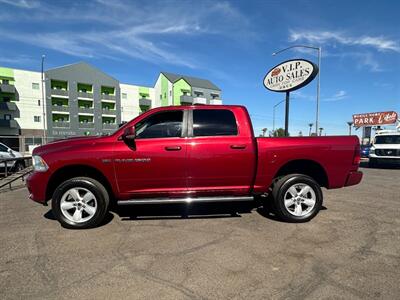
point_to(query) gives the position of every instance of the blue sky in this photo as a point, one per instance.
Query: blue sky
(228, 42)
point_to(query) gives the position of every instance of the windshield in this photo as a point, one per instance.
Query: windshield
(387, 139)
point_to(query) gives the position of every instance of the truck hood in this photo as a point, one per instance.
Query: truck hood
(386, 146)
(68, 143)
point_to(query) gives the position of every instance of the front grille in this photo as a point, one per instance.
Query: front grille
(387, 152)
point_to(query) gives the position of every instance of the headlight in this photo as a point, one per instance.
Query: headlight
(39, 164)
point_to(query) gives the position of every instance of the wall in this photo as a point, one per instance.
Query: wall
(130, 105)
(28, 99)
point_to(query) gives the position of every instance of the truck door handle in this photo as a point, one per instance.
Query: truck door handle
(238, 146)
(173, 148)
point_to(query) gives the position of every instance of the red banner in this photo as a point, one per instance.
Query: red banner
(374, 119)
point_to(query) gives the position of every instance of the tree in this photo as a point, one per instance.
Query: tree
(279, 132)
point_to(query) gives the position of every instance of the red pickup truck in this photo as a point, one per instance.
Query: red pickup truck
(185, 154)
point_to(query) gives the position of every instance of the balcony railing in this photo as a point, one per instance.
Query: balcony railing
(85, 95)
(86, 110)
(108, 97)
(86, 125)
(9, 124)
(199, 100)
(61, 124)
(144, 102)
(186, 99)
(109, 111)
(59, 92)
(8, 106)
(216, 101)
(109, 126)
(7, 88)
(60, 108)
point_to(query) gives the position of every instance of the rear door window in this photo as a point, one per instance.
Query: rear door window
(214, 122)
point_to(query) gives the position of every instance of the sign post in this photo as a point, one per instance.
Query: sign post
(289, 76)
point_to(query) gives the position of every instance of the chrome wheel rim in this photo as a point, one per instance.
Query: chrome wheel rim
(300, 199)
(78, 205)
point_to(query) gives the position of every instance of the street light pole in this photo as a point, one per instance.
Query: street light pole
(43, 102)
(350, 123)
(319, 76)
(273, 115)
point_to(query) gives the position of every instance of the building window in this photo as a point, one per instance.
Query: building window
(35, 86)
(6, 99)
(6, 81)
(124, 95)
(38, 102)
(36, 118)
(7, 117)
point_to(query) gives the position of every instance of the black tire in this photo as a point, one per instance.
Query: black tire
(92, 185)
(19, 166)
(279, 190)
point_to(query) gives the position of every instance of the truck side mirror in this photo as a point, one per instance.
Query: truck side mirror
(129, 134)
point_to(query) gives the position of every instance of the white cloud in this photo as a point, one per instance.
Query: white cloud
(125, 29)
(379, 43)
(339, 95)
(28, 4)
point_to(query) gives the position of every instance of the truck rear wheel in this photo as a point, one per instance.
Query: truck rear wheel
(297, 198)
(80, 202)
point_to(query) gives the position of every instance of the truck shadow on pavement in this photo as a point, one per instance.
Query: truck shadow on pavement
(183, 211)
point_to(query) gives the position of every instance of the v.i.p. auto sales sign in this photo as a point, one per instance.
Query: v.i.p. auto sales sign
(290, 75)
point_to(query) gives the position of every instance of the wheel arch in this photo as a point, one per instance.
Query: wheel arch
(306, 167)
(79, 170)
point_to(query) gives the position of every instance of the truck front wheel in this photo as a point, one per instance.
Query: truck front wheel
(297, 198)
(80, 202)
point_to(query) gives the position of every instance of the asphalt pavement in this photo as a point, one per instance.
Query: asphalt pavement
(351, 250)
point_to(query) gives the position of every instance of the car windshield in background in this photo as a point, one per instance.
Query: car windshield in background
(387, 139)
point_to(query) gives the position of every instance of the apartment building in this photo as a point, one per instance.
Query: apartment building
(174, 89)
(83, 100)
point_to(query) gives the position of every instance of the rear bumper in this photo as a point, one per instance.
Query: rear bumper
(36, 184)
(354, 178)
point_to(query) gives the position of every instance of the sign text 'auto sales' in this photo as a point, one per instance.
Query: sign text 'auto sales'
(290, 75)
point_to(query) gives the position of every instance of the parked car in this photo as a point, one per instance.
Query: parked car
(187, 154)
(365, 150)
(385, 148)
(6, 153)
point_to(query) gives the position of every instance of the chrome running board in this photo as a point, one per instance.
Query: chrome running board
(183, 200)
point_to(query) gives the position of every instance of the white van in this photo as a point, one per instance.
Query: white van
(385, 148)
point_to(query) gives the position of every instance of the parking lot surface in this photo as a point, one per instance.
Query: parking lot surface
(351, 250)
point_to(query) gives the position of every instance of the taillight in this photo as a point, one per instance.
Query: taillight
(357, 155)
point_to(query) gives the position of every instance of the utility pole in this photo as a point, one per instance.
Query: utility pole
(310, 125)
(350, 123)
(43, 102)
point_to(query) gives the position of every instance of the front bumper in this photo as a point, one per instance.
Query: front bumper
(36, 184)
(354, 178)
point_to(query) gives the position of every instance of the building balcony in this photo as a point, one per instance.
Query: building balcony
(56, 108)
(9, 124)
(59, 92)
(8, 106)
(108, 97)
(86, 110)
(144, 102)
(109, 112)
(85, 95)
(110, 126)
(86, 125)
(187, 99)
(7, 88)
(60, 124)
(199, 100)
(216, 101)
